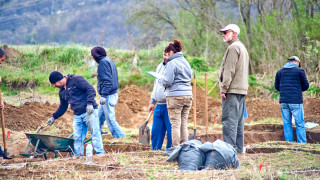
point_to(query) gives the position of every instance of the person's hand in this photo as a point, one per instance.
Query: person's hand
(151, 107)
(50, 121)
(90, 109)
(223, 95)
(103, 101)
(2, 106)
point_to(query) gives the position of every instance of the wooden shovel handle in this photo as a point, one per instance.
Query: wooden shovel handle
(2, 125)
(194, 100)
(206, 103)
(146, 122)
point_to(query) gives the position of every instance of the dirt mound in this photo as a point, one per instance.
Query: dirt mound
(11, 53)
(30, 115)
(259, 109)
(214, 108)
(134, 97)
(132, 106)
(132, 100)
(311, 110)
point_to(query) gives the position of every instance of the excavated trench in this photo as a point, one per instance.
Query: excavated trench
(265, 132)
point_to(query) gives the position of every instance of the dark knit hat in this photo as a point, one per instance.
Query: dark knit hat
(98, 53)
(55, 76)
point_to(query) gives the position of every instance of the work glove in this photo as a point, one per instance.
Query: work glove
(103, 100)
(50, 121)
(90, 109)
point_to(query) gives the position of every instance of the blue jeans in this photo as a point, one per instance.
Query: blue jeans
(161, 125)
(80, 128)
(295, 110)
(109, 107)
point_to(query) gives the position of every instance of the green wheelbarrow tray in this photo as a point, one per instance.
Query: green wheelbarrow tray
(52, 143)
(44, 143)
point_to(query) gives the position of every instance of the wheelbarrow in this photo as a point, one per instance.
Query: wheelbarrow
(44, 144)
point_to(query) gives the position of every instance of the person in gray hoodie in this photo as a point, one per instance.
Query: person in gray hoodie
(161, 123)
(176, 80)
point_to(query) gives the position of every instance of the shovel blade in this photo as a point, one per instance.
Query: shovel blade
(194, 135)
(5, 156)
(144, 135)
(191, 138)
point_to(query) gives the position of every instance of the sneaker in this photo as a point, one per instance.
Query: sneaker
(104, 132)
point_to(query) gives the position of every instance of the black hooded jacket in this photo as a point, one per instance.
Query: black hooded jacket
(107, 73)
(78, 93)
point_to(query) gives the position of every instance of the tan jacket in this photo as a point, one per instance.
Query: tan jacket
(234, 69)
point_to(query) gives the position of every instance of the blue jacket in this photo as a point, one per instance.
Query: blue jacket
(177, 76)
(291, 81)
(78, 93)
(107, 77)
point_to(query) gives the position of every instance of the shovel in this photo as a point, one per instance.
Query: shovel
(42, 126)
(5, 156)
(144, 131)
(194, 107)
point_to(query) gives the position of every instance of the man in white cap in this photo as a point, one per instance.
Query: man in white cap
(234, 84)
(291, 81)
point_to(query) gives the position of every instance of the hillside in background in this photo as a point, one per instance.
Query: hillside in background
(59, 21)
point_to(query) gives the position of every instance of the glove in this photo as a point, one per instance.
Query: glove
(103, 101)
(50, 121)
(90, 109)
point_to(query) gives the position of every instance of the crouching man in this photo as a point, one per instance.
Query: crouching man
(80, 94)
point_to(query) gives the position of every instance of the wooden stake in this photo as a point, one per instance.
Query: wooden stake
(206, 105)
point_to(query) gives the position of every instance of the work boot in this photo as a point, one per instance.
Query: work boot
(104, 132)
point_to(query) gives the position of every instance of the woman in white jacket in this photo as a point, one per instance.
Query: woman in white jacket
(176, 80)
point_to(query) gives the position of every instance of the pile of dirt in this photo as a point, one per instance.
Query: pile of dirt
(11, 53)
(259, 109)
(214, 108)
(132, 100)
(31, 115)
(311, 110)
(132, 109)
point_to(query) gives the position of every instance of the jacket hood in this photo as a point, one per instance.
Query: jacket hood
(98, 53)
(175, 55)
(290, 65)
(69, 76)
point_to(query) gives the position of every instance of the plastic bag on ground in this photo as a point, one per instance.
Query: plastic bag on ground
(220, 155)
(188, 155)
(169, 151)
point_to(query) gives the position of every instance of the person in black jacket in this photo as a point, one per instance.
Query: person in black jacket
(80, 94)
(291, 81)
(107, 76)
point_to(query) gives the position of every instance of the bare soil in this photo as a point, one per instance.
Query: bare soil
(11, 52)
(132, 111)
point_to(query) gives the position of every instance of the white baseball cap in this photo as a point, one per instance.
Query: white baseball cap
(232, 27)
(294, 58)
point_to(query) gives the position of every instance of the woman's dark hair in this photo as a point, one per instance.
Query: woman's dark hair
(2, 52)
(175, 46)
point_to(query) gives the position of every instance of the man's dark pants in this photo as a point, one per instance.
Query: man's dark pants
(233, 120)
